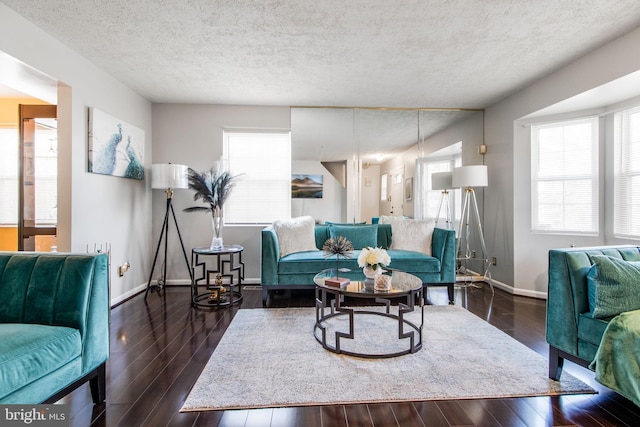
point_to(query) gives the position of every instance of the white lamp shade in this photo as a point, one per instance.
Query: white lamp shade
(169, 176)
(442, 180)
(470, 176)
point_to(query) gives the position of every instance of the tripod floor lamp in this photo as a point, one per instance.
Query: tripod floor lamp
(443, 181)
(167, 177)
(466, 178)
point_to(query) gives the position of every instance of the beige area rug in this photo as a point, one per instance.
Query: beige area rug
(270, 358)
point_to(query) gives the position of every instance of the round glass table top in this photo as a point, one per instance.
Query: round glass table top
(226, 249)
(401, 284)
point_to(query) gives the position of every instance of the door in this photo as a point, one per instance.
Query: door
(38, 179)
(397, 192)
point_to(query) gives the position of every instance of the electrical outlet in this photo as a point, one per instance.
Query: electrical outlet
(473, 254)
(123, 268)
(494, 261)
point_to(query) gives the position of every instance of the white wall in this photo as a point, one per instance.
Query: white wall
(191, 135)
(522, 256)
(91, 208)
(331, 206)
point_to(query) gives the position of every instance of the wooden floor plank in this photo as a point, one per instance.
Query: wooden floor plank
(159, 348)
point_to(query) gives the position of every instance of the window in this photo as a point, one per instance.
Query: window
(626, 169)
(383, 187)
(263, 191)
(564, 177)
(9, 176)
(433, 198)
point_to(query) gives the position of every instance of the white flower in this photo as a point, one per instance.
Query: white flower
(373, 257)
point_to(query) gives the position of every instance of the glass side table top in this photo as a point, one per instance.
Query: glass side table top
(401, 284)
(226, 249)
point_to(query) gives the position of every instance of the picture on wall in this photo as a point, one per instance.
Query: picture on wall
(115, 146)
(305, 186)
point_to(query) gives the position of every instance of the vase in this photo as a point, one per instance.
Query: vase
(370, 274)
(216, 224)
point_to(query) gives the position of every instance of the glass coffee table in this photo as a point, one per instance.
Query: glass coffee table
(336, 322)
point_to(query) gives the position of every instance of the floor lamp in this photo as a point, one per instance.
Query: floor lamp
(468, 177)
(443, 181)
(167, 177)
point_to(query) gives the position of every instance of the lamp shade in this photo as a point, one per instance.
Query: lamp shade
(442, 180)
(470, 176)
(169, 176)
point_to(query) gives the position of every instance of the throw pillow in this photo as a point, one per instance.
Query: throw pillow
(412, 235)
(613, 286)
(296, 235)
(390, 219)
(360, 236)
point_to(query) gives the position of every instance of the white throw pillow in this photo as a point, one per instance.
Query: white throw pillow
(389, 219)
(296, 235)
(412, 235)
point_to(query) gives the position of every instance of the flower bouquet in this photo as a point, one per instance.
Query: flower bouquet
(373, 261)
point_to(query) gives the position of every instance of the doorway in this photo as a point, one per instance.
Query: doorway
(38, 178)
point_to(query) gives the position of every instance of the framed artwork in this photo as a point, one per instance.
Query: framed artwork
(115, 146)
(408, 189)
(304, 186)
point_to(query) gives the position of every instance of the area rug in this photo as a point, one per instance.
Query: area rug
(270, 358)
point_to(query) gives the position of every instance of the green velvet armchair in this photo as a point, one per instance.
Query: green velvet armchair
(54, 325)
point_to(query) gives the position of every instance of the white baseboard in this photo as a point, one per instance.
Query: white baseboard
(474, 277)
(174, 282)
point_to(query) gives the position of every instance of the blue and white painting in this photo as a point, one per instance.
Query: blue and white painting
(115, 146)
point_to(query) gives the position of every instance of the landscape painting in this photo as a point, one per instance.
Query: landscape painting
(115, 146)
(305, 186)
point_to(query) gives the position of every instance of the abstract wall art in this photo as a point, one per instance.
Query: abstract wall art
(305, 186)
(115, 146)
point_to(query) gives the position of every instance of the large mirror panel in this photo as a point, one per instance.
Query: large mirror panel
(366, 157)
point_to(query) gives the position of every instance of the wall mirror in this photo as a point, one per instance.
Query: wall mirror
(352, 149)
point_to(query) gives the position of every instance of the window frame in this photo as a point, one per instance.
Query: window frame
(622, 149)
(244, 179)
(593, 177)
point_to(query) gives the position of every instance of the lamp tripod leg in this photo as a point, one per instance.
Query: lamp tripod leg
(163, 233)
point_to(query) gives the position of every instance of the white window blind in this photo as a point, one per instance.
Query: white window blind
(433, 198)
(564, 177)
(626, 219)
(9, 176)
(263, 191)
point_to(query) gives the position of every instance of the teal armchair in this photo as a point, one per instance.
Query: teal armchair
(54, 325)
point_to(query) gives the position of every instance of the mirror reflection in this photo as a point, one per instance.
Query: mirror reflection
(367, 157)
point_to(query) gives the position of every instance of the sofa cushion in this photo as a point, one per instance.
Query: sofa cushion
(591, 329)
(29, 352)
(412, 235)
(360, 236)
(413, 262)
(613, 286)
(296, 235)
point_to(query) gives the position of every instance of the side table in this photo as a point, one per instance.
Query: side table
(227, 263)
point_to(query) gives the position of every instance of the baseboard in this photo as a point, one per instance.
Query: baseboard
(475, 277)
(173, 282)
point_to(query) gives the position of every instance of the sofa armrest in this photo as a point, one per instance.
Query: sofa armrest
(269, 256)
(443, 247)
(95, 341)
(562, 323)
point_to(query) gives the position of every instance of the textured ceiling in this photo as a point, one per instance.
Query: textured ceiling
(410, 53)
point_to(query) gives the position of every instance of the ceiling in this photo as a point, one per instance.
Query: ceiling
(445, 54)
(411, 53)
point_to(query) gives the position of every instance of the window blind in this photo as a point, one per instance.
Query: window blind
(263, 191)
(626, 220)
(564, 177)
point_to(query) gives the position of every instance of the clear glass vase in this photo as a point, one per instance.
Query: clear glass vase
(216, 224)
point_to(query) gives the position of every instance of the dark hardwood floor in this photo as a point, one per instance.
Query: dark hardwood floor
(158, 350)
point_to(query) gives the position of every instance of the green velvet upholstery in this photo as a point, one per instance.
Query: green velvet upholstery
(572, 331)
(360, 236)
(613, 286)
(297, 270)
(54, 324)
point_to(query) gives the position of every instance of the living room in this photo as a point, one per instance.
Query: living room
(127, 214)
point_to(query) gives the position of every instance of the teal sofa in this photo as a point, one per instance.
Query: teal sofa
(54, 325)
(572, 331)
(296, 270)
